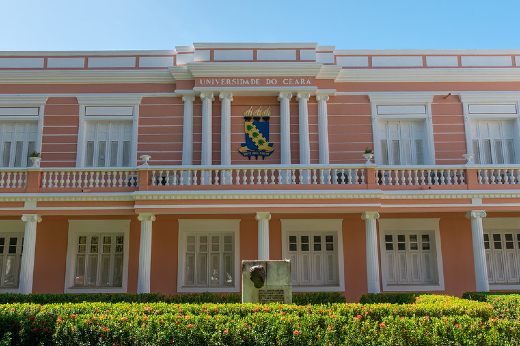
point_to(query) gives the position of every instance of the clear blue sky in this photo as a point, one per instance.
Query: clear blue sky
(347, 24)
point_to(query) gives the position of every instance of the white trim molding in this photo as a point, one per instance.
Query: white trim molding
(318, 226)
(407, 225)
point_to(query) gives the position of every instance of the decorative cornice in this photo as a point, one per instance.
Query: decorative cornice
(294, 45)
(455, 52)
(430, 75)
(180, 73)
(400, 98)
(329, 72)
(22, 100)
(112, 99)
(489, 97)
(85, 77)
(254, 69)
(72, 197)
(88, 53)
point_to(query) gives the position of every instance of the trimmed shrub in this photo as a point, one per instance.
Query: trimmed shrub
(505, 304)
(392, 298)
(185, 298)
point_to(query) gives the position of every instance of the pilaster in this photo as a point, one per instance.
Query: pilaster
(207, 101)
(323, 129)
(187, 130)
(285, 128)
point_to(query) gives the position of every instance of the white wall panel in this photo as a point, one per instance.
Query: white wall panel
(111, 62)
(492, 109)
(441, 61)
(486, 61)
(202, 55)
(308, 54)
(21, 62)
(397, 61)
(232, 54)
(66, 62)
(156, 61)
(276, 54)
(352, 61)
(396, 110)
(325, 58)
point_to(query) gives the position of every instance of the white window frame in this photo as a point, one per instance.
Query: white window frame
(81, 227)
(502, 224)
(18, 103)
(114, 101)
(491, 99)
(406, 225)
(402, 104)
(317, 226)
(216, 226)
(12, 227)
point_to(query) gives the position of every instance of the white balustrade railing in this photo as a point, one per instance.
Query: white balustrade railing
(89, 177)
(257, 175)
(420, 175)
(498, 175)
(13, 178)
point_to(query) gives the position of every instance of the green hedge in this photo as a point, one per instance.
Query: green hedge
(199, 298)
(438, 320)
(505, 304)
(392, 298)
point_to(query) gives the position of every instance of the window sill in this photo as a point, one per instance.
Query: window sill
(412, 288)
(95, 290)
(187, 289)
(504, 287)
(318, 289)
(8, 289)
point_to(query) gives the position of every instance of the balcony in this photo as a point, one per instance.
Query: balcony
(258, 177)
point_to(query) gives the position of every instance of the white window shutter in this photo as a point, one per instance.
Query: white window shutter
(396, 154)
(126, 153)
(113, 153)
(384, 152)
(499, 157)
(90, 154)
(419, 152)
(18, 155)
(510, 145)
(476, 151)
(6, 156)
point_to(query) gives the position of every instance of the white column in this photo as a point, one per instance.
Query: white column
(263, 235)
(207, 100)
(145, 252)
(285, 128)
(305, 147)
(225, 136)
(187, 130)
(323, 128)
(479, 253)
(370, 218)
(29, 248)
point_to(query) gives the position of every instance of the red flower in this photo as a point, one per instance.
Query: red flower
(105, 329)
(226, 331)
(296, 332)
(190, 325)
(72, 316)
(102, 336)
(35, 329)
(32, 318)
(45, 330)
(382, 325)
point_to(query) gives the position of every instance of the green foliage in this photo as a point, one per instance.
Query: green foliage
(317, 298)
(392, 298)
(431, 320)
(505, 304)
(206, 297)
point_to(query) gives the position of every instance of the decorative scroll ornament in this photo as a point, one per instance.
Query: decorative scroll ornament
(257, 134)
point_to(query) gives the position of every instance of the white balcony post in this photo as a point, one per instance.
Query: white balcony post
(323, 128)
(207, 101)
(29, 248)
(370, 218)
(263, 235)
(187, 130)
(225, 137)
(479, 252)
(285, 128)
(145, 252)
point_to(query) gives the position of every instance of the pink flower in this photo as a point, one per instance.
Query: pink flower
(190, 325)
(226, 331)
(296, 332)
(382, 325)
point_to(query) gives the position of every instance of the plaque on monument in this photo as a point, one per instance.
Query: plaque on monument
(266, 282)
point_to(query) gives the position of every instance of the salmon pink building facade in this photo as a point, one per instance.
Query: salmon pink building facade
(160, 171)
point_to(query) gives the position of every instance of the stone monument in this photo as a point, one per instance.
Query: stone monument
(266, 282)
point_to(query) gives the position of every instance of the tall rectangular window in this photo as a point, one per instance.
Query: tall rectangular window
(17, 142)
(402, 142)
(11, 249)
(209, 259)
(99, 260)
(410, 257)
(314, 258)
(502, 249)
(493, 141)
(97, 256)
(108, 144)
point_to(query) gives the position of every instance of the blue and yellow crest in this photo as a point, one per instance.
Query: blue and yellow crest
(257, 133)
